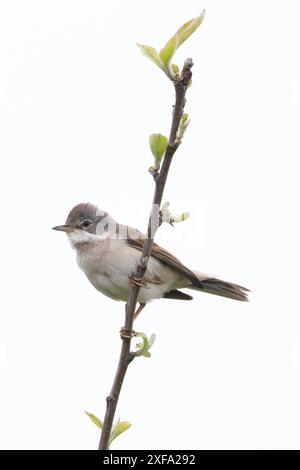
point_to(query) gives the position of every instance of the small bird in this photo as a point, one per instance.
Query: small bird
(109, 253)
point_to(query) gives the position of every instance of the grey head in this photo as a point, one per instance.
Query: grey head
(86, 217)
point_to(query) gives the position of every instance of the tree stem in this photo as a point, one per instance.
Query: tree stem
(126, 356)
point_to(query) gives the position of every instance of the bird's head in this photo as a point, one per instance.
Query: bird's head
(85, 223)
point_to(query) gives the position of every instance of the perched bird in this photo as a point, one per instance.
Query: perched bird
(109, 253)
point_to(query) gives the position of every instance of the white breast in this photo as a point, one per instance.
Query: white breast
(108, 264)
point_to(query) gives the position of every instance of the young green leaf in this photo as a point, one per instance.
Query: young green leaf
(180, 218)
(175, 69)
(183, 125)
(94, 419)
(143, 348)
(146, 354)
(184, 119)
(167, 52)
(189, 28)
(158, 146)
(183, 33)
(145, 344)
(152, 54)
(118, 429)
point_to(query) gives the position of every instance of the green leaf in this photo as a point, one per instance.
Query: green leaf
(175, 69)
(94, 419)
(145, 344)
(183, 125)
(158, 146)
(180, 218)
(189, 28)
(184, 119)
(147, 354)
(185, 216)
(118, 429)
(151, 53)
(183, 33)
(167, 52)
(143, 348)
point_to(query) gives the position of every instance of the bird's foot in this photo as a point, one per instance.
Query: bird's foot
(137, 281)
(127, 334)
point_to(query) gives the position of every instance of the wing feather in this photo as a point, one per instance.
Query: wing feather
(167, 258)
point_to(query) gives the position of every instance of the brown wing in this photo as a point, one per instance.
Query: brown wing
(167, 258)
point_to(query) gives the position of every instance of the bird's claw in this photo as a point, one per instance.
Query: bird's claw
(137, 281)
(127, 334)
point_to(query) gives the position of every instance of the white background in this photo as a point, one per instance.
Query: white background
(78, 102)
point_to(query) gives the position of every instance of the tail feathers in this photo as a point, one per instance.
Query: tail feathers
(224, 289)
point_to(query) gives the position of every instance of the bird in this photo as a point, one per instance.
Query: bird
(109, 253)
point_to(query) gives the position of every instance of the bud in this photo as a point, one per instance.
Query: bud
(166, 215)
(158, 145)
(183, 125)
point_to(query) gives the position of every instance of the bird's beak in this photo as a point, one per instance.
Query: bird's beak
(64, 228)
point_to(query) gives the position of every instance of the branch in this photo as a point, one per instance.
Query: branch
(181, 85)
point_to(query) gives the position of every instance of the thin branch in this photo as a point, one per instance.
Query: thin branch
(160, 178)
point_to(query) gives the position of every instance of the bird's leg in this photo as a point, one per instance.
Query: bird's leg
(127, 334)
(138, 311)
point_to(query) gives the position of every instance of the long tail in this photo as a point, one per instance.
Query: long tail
(223, 288)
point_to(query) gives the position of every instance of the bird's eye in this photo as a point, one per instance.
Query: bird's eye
(85, 224)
